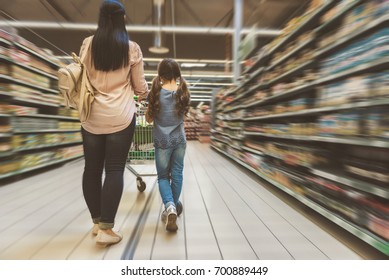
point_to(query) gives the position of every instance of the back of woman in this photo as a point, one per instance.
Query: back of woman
(115, 70)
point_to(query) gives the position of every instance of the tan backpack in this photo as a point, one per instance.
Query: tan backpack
(74, 85)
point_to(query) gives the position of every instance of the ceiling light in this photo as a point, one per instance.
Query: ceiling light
(158, 19)
(190, 65)
(211, 84)
(200, 91)
(158, 49)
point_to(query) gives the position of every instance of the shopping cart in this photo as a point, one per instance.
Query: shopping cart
(142, 149)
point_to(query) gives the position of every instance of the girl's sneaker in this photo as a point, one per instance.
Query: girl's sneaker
(179, 208)
(171, 220)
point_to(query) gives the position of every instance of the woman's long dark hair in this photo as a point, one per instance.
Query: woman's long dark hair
(168, 70)
(110, 43)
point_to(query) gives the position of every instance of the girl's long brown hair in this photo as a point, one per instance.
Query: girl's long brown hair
(168, 70)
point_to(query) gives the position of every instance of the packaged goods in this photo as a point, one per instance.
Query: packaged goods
(367, 50)
(377, 122)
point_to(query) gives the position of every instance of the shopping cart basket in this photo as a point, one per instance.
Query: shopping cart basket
(142, 149)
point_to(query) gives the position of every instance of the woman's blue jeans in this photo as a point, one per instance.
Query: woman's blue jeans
(170, 164)
(107, 152)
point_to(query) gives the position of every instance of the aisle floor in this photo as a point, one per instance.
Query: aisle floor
(227, 215)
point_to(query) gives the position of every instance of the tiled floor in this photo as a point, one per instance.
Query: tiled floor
(227, 214)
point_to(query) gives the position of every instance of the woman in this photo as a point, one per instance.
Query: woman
(169, 100)
(115, 69)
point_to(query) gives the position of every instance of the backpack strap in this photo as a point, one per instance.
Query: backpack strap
(88, 43)
(83, 87)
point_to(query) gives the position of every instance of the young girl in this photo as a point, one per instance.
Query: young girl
(169, 100)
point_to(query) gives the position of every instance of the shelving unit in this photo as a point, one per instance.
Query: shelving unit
(298, 96)
(36, 131)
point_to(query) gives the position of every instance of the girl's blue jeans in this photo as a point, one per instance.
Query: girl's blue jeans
(170, 164)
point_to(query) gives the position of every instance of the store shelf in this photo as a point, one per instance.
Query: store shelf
(21, 46)
(290, 73)
(37, 71)
(13, 80)
(244, 84)
(35, 102)
(233, 90)
(6, 154)
(287, 93)
(254, 75)
(25, 66)
(363, 234)
(283, 159)
(257, 87)
(315, 15)
(7, 94)
(5, 135)
(236, 147)
(49, 117)
(233, 127)
(38, 95)
(236, 138)
(379, 64)
(353, 183)
(253, 151)
(290, 54)
(22, 171)
(46, 146)
(220, 140)
(260, 60)
(233, 109)
(356, 34)
(234, 119)
(346, 141)
(6, 42)
(362, 104)
(16, 131)
(361, 65)
(329, 23)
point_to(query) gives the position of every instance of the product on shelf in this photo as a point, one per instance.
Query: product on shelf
(368, 50)
(8, 166)
(21, 110)
(5, 145)
(67, 112)
(348, 90)
(27, 124)
(343, 124)
(363, 209)
(5, 127)
(30, 130)
(372, 171)
(377, 122)
(329, 87)
(356, 19)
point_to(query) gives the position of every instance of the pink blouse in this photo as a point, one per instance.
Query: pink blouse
(113, 108)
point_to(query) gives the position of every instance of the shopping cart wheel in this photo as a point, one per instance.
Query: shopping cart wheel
(140, 184)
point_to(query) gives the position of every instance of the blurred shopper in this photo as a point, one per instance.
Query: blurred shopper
(169, 100)
(115, 69)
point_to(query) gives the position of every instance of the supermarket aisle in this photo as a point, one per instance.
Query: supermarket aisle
(227, 215)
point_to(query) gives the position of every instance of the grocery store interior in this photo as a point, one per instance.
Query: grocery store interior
(288, 132)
